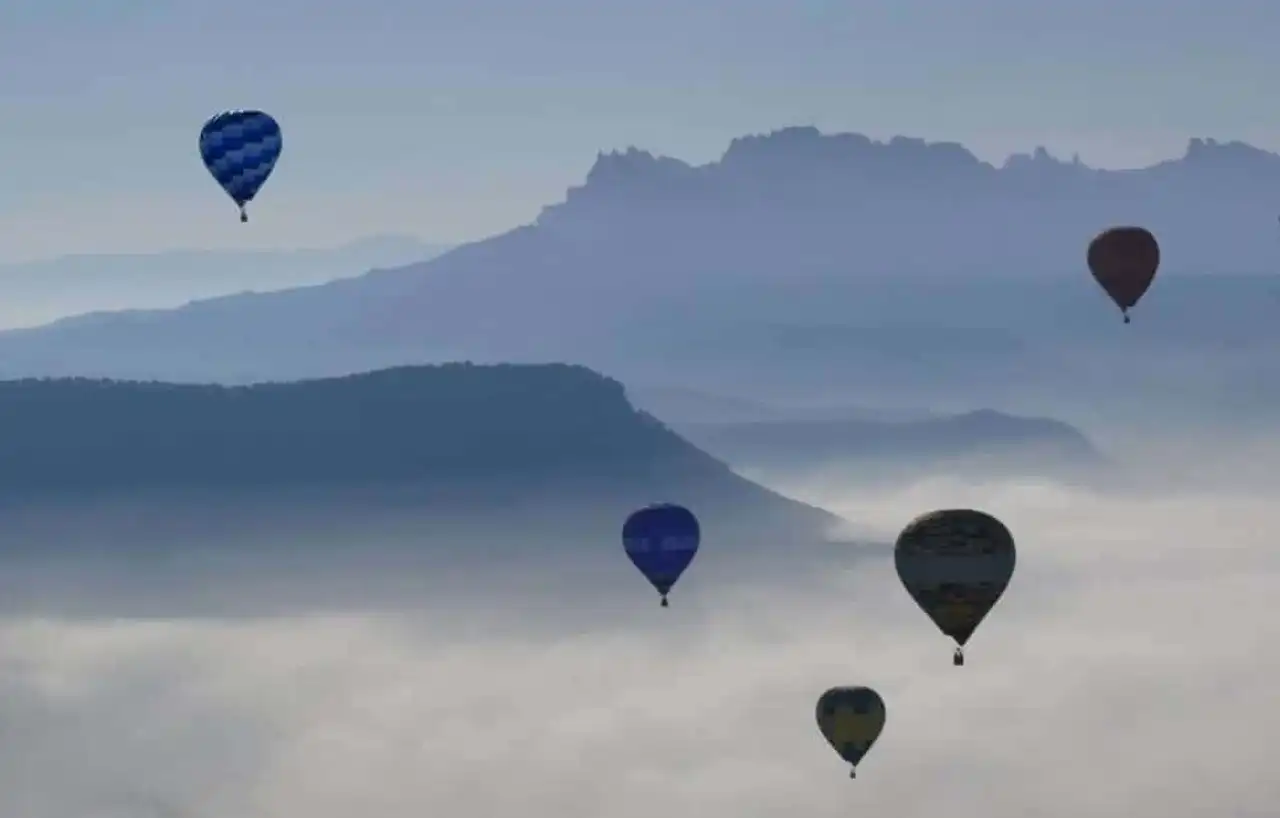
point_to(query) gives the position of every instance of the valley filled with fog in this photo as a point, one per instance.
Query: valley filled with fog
(1128, 663)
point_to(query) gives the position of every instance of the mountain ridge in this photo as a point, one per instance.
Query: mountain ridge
(806, 147)
(939, 276)
(464, 434)
(766, 162)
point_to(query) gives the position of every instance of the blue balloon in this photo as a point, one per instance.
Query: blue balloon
(662, 540)
(240, 149)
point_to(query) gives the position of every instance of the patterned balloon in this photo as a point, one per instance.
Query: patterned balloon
(240, 149)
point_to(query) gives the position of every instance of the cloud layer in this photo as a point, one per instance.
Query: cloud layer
(1128, 672)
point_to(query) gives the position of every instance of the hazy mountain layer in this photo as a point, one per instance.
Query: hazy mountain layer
(37, 292)
(799, 267)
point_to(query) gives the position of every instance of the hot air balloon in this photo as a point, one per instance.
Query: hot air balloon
(851, 719)
(240, 149)
(1124, 260)
(661, 540)
(955, 563)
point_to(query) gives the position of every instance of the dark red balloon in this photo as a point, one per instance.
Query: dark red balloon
(1124, 261)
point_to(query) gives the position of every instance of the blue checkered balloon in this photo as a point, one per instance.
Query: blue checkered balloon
(240, 149)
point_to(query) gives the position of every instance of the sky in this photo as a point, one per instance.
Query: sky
(1129, 670)
(457, 119)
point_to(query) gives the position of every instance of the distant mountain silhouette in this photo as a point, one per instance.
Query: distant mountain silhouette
(993, 439)
(813, 202)
(36, 292)
(826, 268)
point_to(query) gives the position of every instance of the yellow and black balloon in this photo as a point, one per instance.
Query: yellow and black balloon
(955, 564)
(851, 719)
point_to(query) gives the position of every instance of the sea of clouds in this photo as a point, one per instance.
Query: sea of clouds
(1129, 671)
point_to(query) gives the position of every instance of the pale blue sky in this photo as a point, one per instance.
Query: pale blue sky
(453, 119)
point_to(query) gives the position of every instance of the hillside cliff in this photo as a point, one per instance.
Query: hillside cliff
(462, 437)
(447, 423)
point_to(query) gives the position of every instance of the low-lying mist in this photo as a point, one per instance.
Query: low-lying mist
(1127, 671)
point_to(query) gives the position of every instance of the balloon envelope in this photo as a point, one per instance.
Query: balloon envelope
(240, 149)
(1123, 261)
(955, 563)
(661, 541)
(851, 719)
